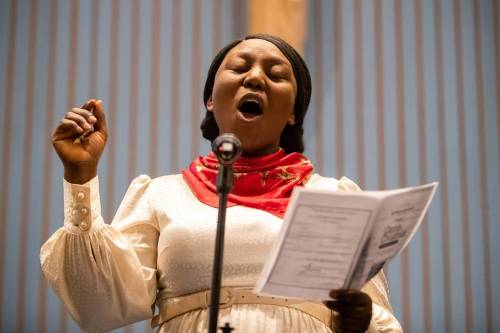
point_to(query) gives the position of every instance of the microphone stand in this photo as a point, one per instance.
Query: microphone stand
(224, 186)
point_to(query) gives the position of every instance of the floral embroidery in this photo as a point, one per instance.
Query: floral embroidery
(237, 175)
(285, 175)
(264, 175)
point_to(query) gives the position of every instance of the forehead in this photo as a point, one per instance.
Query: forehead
(259, 47)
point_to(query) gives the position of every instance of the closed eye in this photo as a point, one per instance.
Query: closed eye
(278, 73)
(237, 65)
(276, 76)
(239, 69)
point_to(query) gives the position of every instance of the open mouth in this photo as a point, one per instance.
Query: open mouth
(250, 109)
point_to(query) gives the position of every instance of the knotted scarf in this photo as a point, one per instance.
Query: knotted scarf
(265, 183)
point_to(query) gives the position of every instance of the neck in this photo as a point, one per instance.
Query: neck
(260, 152)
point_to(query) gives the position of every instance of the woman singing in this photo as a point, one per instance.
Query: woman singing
(158, 250)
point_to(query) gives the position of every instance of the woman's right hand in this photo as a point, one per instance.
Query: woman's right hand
(78, 146)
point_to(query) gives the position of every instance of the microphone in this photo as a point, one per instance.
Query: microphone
(227, 148)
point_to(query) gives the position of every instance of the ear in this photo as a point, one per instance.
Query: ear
(210, 105)
(291, 119)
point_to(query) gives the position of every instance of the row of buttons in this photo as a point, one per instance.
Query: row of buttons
(82, 212)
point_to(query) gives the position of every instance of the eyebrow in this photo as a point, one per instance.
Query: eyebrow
(276, 60)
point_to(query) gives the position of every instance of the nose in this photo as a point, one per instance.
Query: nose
(255, 79)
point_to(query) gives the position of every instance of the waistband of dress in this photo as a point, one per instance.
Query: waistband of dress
(176, 306)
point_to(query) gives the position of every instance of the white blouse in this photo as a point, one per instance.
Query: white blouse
(160, 245)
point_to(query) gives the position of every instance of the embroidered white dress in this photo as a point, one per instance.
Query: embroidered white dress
(160, 245)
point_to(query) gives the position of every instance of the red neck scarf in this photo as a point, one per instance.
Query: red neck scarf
(265, 183)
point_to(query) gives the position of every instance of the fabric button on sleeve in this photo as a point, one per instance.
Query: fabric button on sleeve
(81, 206)
(84, 226)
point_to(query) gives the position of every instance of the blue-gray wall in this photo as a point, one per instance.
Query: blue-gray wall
(405, 92)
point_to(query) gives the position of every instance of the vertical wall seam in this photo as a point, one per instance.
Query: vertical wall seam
(155, 86)
(379, 91)
(483, 172)
(94, 42)
(238, 19)
(464, 189)
(112, 88)
(71, 84)
(47, 156)
(401, 130)
(338, 72)
(359, 93)
(27, 161)
(72, 54)
(217, 24)
(422, 157)
(400, 92)
(195, 79)
(133, 86)
(318, 92)
(496, 36)
(442, 162)
(7, 125)
(174, 112)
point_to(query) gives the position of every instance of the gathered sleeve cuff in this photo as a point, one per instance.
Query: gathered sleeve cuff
(82, 207)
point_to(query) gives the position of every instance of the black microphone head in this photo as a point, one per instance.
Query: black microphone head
(227, 148)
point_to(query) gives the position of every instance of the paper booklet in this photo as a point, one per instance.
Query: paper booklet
(332, 240)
